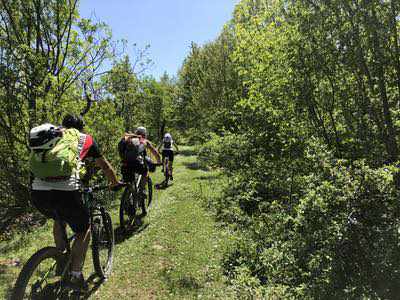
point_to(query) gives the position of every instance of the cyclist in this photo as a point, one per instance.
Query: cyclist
(134, 149)
(60, 198)
(168, 151)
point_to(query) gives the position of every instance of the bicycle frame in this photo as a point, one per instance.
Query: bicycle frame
(134, 184)
(45, 277)
(167, 165)
(92, 206)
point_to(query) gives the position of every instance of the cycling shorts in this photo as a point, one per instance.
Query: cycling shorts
(67, 205)
(128, 173)
(169, 154)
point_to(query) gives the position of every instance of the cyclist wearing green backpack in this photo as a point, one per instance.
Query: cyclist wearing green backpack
(57, 155)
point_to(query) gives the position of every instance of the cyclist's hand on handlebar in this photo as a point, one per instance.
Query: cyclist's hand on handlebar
(117, 186)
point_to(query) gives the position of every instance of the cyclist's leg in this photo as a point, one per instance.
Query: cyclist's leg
(46, 202)
(72, 210)
(163, 160)
(79, 249)
(59, 234)
(171, 162)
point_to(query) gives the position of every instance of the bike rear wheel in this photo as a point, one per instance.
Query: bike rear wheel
(127, 209)
(166, 171)
(102, 244)
(149, 198)
(38, 278)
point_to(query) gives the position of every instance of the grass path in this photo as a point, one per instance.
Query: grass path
(175, 255)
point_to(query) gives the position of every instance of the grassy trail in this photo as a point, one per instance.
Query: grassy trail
(175, 254)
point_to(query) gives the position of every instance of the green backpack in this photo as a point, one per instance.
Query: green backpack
(61, 160)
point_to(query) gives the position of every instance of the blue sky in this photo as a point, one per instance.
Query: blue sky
(169, 26)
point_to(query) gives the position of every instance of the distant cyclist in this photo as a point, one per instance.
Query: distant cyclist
(135, 151)
(58, 196)
(168, 151)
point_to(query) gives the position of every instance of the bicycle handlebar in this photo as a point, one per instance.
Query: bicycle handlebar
(95, 188)
(119, 186)
(99, 187)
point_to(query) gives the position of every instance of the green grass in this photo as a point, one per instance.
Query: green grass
(176, 255)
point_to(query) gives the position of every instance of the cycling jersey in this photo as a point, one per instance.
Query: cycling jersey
(167, 144)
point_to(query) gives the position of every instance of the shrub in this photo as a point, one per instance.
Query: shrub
(311, 228)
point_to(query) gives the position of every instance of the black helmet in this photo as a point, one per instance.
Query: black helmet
(73, 121)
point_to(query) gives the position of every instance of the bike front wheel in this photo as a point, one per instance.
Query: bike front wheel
(102, 244)
(149, 198)
(127, 209)
(38, 278)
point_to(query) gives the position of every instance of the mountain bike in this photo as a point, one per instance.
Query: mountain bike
(132, 200)
(40, 279)
(167, 167)
(167, 170)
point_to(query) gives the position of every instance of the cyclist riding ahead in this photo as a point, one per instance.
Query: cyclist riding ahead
(168, 151)
(135, 151)
(55, 189)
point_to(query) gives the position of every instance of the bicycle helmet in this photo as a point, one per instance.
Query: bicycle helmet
(44, 136)
(141, 131)
(167, 137)
(73, 121)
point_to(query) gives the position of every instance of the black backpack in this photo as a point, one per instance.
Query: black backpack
(132, 151)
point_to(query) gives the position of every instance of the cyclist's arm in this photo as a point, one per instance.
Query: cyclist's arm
(127, 135)
(108, 170)
(92, 150)
(154, 151)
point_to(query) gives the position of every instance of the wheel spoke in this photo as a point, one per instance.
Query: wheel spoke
(103, 242)
(38, 279)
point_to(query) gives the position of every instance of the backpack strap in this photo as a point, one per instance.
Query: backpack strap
(81, 143)
(43, 156)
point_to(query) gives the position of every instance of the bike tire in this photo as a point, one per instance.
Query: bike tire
(102, 233)
(126, 218)
(149, 192)
(30, 267)
(166, 171)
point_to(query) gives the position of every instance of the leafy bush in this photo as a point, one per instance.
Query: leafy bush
(318, 234)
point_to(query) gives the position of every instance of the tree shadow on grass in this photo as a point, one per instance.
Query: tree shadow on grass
(187, 152)
(207, 177)
(162, 185)
(7, 281)
(194, 166)
(94, 283)
(121, 234)
(58, 290)
(14, 220)
(180, 285)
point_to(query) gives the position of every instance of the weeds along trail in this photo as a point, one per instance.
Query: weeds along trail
(174, 254)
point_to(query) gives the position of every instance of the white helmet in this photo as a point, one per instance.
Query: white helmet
(167, 137)
(141, 131)
(44, 136)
